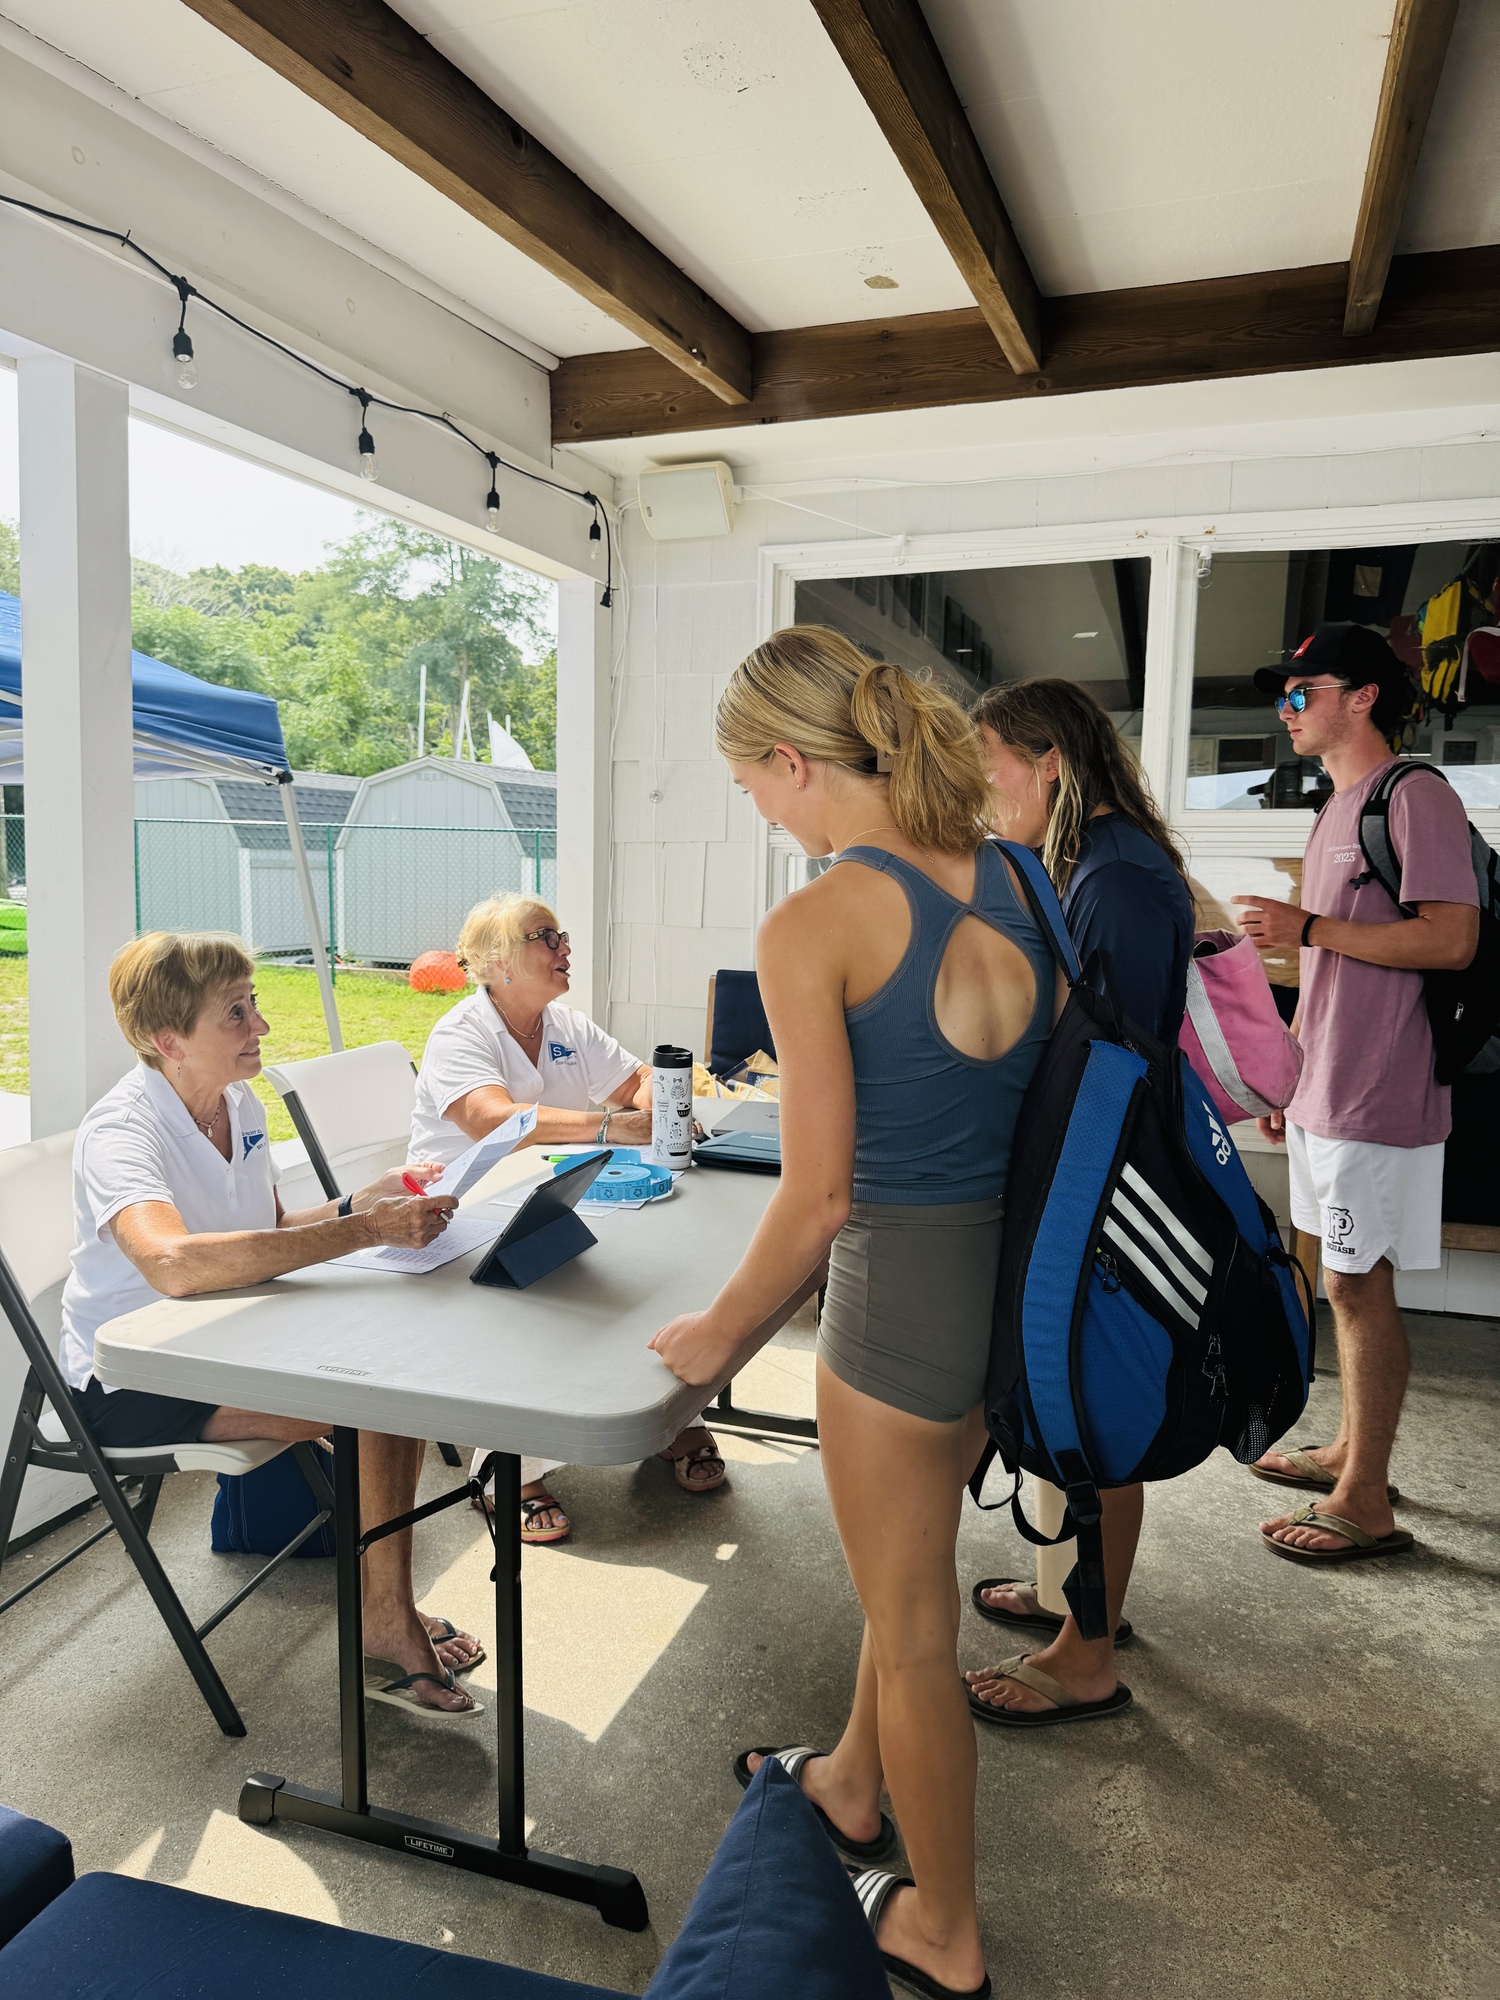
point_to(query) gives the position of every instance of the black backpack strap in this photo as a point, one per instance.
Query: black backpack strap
(1041, 897)
(1382, 862)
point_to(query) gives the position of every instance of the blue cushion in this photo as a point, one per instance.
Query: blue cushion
(36, 1864)
(776, 1915)
(111, 1938)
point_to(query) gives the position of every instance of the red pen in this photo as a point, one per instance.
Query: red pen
(411, 1186)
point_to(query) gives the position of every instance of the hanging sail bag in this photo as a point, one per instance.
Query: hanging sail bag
(1240, 1048)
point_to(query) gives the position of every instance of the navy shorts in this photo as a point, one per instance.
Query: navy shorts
(131, 1418)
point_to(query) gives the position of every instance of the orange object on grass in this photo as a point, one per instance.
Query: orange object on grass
(437, 972)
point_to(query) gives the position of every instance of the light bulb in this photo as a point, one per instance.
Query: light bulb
(492, 510)
(368, 469)
(182, 353)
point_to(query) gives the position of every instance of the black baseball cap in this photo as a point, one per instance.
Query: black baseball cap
(1355, 653)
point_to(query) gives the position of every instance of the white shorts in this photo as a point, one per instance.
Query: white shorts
(1367, 1201)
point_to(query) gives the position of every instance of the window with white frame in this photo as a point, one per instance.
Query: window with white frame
(1435, 601)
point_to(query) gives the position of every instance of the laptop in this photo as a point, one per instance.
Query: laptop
(752, 1115)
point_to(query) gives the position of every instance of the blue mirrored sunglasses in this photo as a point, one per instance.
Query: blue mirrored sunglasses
(1296, 701)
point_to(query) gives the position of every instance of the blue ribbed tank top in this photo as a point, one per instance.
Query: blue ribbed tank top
(931, 1124)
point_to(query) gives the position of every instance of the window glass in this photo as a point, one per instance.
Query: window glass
(1435, 601)
(979, 628)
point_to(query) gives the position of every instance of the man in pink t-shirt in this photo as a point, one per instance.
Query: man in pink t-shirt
(1365, 1131)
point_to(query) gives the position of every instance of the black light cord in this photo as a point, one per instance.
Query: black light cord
(182, 353)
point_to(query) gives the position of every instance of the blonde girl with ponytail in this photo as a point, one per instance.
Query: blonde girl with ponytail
(909, 994)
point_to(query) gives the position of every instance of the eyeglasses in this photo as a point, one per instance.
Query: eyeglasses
(1296, 701)
(553, 940)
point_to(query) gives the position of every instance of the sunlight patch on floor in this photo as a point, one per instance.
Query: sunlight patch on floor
(137, 1862)
(778, 1378)
(246, 1866)
(593, 1630)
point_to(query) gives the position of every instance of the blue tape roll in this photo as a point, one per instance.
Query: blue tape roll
(625, 1180)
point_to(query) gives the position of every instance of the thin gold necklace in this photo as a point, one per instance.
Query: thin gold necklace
(521, 1035)
(885, 826)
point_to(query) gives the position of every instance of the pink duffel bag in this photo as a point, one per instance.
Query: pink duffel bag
(1244, 1053)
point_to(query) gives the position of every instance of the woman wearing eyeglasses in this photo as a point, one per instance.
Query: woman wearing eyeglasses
(514, 1043)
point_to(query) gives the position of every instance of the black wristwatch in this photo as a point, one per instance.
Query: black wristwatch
(346, 1206)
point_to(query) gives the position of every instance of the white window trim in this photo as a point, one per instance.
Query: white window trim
(1173, 545)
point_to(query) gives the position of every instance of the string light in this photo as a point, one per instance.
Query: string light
(368, 469)
(182, 346)
(187, 377)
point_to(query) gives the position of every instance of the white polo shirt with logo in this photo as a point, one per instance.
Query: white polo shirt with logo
(471, 1047)
(139, 1143)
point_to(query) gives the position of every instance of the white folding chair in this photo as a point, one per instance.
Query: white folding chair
(352, 1111)
(36, 1239)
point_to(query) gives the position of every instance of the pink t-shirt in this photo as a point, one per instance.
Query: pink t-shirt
(1364, 1030)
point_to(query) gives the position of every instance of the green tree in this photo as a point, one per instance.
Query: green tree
(10, 558)
(220, 649)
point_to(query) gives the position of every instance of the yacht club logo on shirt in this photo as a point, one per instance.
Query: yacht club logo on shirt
(250, 1140)
(560, 1052)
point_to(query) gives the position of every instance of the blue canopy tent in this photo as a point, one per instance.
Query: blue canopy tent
(184, 724)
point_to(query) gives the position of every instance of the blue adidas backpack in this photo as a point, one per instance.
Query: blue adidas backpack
(1146, 1310)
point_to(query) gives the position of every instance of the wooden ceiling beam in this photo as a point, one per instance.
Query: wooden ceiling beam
(371, 68)
(1414, 60)
(1441, 302)
(888, 49)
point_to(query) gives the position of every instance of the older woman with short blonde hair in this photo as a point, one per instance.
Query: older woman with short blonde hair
(513, 1043)
(174, 1193)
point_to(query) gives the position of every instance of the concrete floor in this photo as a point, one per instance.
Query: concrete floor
(1301, 1801)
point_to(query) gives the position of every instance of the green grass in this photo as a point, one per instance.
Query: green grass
(372, 1008)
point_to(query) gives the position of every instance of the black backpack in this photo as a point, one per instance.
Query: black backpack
(1463, 1007)
(1146, 1310)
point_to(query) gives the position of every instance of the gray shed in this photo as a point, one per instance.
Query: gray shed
(214, 854)
(425, 842)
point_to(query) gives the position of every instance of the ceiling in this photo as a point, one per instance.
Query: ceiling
(1167, 140)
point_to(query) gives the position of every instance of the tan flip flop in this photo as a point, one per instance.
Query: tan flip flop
(1065, 1707)
(1309, 1475)
(1362, 1544)
(401, 1692)
(704, 1457)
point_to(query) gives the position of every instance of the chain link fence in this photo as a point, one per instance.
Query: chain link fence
(385, 894)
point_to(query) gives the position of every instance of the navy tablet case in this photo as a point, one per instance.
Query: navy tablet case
(544, 1232)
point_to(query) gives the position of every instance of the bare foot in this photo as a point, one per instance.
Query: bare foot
(1020, 1599)
(458, 1650)
(402, 1639)
(1086, 1671)
(851, 1812)
(1366, 1506)
(959, 1965)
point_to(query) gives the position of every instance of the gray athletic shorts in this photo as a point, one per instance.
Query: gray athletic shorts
(910, 1303)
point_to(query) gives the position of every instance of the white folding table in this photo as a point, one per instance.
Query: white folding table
(561, 1370)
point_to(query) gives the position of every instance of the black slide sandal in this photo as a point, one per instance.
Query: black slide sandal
(791, 1761)
(873, 1886)
(1038, 1620)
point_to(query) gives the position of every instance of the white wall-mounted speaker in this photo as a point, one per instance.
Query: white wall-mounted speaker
(686, 502)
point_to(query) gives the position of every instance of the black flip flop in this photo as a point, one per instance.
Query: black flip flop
(791, 1761)
(1065, 1709)
(451, 1632)
(1038, 1620)
(873, 1886)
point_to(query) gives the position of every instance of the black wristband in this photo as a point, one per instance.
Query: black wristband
(346, 1206)
(1307, 926)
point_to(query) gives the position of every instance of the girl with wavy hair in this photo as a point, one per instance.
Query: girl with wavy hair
(910, 994)
(1066, 784)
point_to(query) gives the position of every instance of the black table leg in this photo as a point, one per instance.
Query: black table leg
(613, 1892)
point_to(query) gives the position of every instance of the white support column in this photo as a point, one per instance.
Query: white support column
(584, 789)
(76, 715)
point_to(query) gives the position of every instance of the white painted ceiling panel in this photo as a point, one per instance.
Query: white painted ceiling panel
(1455, 197)
(1135, 144)
(162, 53)
(1170, 139)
